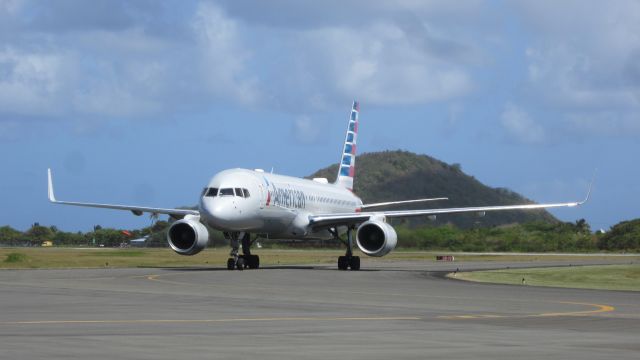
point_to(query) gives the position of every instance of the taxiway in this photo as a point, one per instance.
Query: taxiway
(405, 310)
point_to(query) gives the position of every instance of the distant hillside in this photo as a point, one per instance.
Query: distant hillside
(401, 175)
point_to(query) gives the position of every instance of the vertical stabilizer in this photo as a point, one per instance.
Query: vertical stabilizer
(347, 167)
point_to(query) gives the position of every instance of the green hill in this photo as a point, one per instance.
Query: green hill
(401, 175)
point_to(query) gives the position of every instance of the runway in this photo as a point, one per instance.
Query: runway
(394, 310)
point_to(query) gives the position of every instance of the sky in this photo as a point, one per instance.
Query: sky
(141, 102)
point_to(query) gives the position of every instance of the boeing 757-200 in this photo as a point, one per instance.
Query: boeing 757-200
(240, 202)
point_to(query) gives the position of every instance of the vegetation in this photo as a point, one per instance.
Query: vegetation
(61, 257)
(530, 237)
(57, 257)
(13, 258)
(624, 236)
(609, 277)
(537, 236)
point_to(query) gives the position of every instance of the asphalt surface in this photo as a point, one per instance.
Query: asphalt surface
(393, 310)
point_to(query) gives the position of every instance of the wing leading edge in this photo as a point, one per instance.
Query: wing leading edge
(329, 220)
(393, 203)
(137, 210)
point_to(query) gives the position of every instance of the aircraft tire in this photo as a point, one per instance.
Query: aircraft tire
(253, 261)
(343, 263)
(354, 263)
(240, 264)
(231, 264)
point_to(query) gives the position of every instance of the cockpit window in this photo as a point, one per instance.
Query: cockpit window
(239, 192)
(246, 193)
(226, 192)
(211, 192)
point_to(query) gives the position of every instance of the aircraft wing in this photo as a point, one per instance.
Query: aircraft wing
(329, 220)
(391, 203)
(136, 210)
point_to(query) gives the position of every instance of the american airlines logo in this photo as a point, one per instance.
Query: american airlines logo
(288, 198)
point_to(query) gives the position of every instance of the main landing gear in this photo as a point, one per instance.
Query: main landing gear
(246, 260)
(348, 261)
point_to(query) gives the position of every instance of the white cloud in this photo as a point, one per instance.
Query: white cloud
(30, 83)
(10, 7)
(224, 58)
(380, 65)
(130, 63)
(520, 125)
(66, 82)
(582, 63)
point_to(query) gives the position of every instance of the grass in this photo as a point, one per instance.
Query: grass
(13, 258)
(606, 277)
(61, 257)
(49, 258)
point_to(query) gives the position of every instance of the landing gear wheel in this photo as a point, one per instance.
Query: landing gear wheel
(231, 264)
(354, 263)
(343, 263)
(253, 261)
(240, 264)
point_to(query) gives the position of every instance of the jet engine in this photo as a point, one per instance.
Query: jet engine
(376, 238)
(187, 237)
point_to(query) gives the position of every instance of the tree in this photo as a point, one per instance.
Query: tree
(622, 236)
(37, 234)
(583, 227)
(10, 236)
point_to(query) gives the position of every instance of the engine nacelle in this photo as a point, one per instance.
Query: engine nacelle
(187, 237)
(376, 238)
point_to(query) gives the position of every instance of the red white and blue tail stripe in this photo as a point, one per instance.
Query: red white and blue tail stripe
(347, 168)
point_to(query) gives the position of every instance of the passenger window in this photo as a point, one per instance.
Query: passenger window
(212, 192)
(226, 192)
(239, 192)
(246, 193)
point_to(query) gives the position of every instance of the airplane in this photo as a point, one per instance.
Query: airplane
(241, 202)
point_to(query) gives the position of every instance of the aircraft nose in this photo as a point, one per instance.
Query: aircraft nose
(215, 212)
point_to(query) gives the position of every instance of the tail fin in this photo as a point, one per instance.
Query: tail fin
(347, 167)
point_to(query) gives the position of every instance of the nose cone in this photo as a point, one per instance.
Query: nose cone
(218, 212)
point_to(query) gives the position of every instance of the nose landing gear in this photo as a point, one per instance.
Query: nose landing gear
(246, 259)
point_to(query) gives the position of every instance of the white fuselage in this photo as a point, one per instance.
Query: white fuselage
(277, 205)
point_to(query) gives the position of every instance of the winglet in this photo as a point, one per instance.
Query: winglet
(52, 197)
(593, 179)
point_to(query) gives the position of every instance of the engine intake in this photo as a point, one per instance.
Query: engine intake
(376, 238)
(187, 237)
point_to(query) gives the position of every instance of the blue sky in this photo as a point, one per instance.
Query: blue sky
(142, 102)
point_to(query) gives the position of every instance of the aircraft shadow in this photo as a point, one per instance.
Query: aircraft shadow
(274, 267)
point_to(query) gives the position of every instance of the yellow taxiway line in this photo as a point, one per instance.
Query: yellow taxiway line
(195, 321)
(597, 309)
